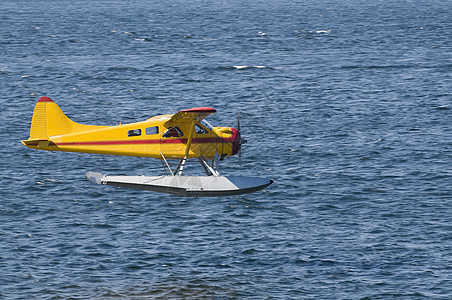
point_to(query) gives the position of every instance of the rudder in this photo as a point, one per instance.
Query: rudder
(48, 120)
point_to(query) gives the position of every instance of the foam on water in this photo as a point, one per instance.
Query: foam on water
(249, 67)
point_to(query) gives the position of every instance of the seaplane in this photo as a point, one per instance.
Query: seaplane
(173, 139)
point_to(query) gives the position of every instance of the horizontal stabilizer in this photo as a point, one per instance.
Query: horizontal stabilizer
(38, 143)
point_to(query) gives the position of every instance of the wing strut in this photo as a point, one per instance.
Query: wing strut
(167, 165)
(181, 165)
(210, 170)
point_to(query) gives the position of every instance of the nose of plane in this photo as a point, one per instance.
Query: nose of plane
(237, 142)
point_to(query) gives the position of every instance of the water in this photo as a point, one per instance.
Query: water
(345, 104)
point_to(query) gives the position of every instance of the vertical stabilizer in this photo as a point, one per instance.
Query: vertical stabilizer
(48, 120)
(38, 128)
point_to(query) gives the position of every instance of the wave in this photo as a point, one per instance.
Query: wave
(246, 67)
(118, 68)
(398, 66)
(323, 31)
(143, 40)
(378, 67)
(249, 67)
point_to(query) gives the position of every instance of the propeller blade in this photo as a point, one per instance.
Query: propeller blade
(241, 141)
(238, 121)
(240, 135)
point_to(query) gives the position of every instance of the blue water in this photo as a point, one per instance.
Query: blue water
(347, 105)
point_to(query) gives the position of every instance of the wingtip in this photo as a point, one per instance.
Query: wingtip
(200, 110)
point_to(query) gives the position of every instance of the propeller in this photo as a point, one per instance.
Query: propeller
(241, 141)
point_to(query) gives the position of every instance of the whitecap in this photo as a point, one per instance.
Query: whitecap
(323, 31)
(249, 67)
(143, 40)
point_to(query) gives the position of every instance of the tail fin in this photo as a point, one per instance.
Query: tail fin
(49, 120)
(46, 111)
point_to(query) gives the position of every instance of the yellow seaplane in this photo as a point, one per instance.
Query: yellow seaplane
(173, 139)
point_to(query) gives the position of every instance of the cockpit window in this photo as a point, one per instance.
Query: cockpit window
(173, 132)
(134, 132)
(200, 130)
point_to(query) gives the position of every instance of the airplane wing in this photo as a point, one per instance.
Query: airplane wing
(192, 114)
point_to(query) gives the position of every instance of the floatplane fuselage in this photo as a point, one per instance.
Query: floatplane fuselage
(180, 136)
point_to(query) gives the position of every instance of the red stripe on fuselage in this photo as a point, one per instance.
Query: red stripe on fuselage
(109, 143)
(149, 142)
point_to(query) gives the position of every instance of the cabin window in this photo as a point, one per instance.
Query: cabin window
(173, 132)
(152, 130)
(200, 130)
(134, 132)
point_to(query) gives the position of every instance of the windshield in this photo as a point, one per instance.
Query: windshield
(206, 124)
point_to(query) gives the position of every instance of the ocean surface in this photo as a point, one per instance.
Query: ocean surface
(347, 105)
